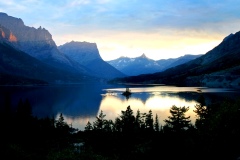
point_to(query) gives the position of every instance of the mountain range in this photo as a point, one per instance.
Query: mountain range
(144, 65)
(217, 68)
(29, 55)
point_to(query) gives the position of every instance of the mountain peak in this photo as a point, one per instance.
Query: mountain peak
(3, 14)
(143, 56)
(16, 22)
(81, 51)
(226, 38)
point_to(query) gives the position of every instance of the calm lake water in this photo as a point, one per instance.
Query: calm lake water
(82, 103)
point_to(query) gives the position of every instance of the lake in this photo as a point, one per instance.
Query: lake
(83, 102)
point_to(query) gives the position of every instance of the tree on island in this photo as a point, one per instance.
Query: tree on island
(127, 93)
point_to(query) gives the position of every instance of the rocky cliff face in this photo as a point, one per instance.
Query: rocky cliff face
(6, 35)
(36, 42)
(80, 58)
(82, 52)
(87, 54)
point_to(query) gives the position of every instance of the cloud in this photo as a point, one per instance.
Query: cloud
(133, 27)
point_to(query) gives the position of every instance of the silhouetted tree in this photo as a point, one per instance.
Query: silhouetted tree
(143, 121)
(108, 126)
(156, 124)
(138, 120)
(149, 121)
(118, 124)
(202, 115)
(62, 133)
(178, 122)
(99, 123)
(128, 119)
(88, 127)
(60, 124)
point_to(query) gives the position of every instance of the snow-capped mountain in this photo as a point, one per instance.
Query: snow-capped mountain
(145, 65)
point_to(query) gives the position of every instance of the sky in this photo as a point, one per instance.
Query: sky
(160, 29)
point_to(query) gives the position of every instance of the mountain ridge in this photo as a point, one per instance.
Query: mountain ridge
(219, 67)
(144, 65)
(40, 46)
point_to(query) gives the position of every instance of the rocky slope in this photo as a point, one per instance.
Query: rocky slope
(17, 67)
(38, 43)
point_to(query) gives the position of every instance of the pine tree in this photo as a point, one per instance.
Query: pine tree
(156, 124)
(138, 120)
(99, 123)
(149, 121)
(88, 127)
(128, 119)
(178, 122)
(202, 112)
(118, 125)
(60, 122)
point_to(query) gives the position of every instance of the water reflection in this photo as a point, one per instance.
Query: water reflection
(82, 103)
(78, 103)
(158, 103)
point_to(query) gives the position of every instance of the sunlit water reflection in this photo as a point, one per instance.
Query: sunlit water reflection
(158, 104)
(82, 103)
(158, 99)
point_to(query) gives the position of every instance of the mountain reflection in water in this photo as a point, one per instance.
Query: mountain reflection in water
(82, 103)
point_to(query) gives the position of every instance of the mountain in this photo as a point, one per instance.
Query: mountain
(18, 67)
(145, 65)
(135, 66)
(31, 47)
(218, 67)
(169, 63)
(87, 54)
(39, 44)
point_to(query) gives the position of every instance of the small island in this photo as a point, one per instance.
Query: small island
(127, 93)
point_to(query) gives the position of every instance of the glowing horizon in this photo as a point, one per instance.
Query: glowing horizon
(159, 29)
